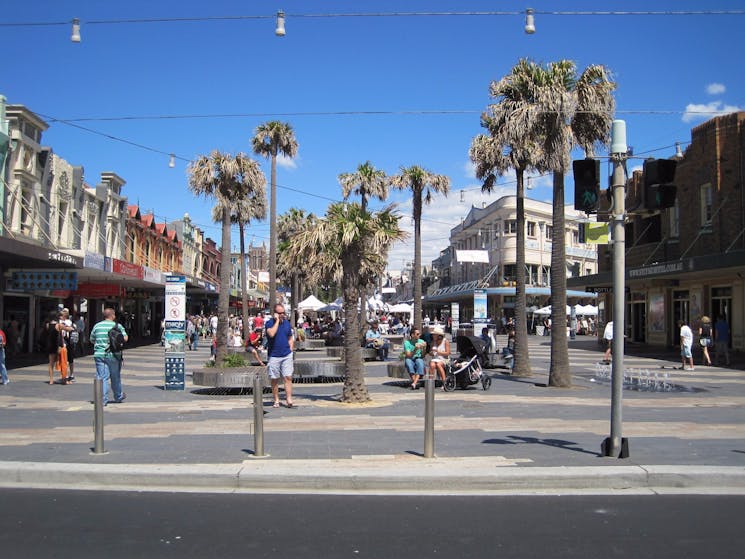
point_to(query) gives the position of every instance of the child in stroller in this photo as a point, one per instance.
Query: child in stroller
(467, 369)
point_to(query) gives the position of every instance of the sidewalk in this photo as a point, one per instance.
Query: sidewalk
(518, 436)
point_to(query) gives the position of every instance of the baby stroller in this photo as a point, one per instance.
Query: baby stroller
(468, 368)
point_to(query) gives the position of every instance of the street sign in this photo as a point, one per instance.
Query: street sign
(174, 341)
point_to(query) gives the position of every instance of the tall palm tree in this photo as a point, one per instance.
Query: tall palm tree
(367, 181)
(270, 140)
(574, 111)
(423, 185)
(242, 211)
(349, 245)
(511, 144)
(226, 178)
(289, 225)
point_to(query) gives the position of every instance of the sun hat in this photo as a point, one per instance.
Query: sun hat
(438, 331)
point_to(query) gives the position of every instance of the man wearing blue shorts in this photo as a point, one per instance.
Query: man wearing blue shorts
(279, 348)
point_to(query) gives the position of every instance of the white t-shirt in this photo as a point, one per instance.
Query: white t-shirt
(608, 332)
(686, 335)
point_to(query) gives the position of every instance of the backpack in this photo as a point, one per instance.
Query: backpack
(116, 340)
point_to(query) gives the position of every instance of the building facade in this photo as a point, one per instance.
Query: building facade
(689, 260)
(492, 229)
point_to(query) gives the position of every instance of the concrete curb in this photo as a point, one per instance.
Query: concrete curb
(397, 474)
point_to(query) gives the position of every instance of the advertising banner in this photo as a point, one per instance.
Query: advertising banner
(479, 306)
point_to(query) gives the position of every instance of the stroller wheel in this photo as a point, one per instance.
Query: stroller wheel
(449, 384)
(486, 382)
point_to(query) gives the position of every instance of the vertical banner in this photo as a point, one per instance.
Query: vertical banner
(175, 332)
(479, 306)
(455, 316)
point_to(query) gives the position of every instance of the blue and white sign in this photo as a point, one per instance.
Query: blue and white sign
(479, 306)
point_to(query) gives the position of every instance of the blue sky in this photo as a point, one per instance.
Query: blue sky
(436, 67)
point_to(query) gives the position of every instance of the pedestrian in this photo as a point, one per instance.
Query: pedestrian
(3, 370)
(375, 340)
(414, 349)
(191, 332)
(68, 327)
(108, 362)
(280, 346)
(253, 343)
(440, 354)
(608, 337)
(686, 345)
(704, 338)
(721, 340)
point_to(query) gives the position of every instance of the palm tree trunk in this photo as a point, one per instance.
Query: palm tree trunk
(416, 274)
(273, 236)
(522, 358)
(223, 300)
(559, 374)
(244, 280)
(355, 389)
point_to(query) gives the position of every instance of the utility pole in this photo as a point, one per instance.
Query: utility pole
(616, 445)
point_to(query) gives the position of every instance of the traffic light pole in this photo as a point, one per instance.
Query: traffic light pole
(616, 446)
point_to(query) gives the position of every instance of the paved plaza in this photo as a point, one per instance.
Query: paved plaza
(686, 425)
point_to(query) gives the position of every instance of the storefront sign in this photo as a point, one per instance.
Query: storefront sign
(94, 260)
(98, 290)
(152, 275)
(62, 257)
(127, 269)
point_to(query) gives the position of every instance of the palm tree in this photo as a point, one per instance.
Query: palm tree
(423, 184)
(511, 144)
(574, 111)
(367, 181)
(289, 225)
(226, 179)
(242, 211)
(270, 140)
(349, 245)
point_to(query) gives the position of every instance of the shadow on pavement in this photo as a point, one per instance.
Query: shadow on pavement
(556, 443)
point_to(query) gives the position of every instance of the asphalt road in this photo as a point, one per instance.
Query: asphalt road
(83, 524)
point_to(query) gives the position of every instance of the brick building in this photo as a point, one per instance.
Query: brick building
(688, 260)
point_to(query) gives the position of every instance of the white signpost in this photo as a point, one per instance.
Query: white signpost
(174, 336)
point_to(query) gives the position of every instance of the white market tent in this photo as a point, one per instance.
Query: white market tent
(311, 303)
(579, 310)
(400, 308)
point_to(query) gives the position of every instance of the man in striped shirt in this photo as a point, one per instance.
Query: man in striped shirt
(108, 363)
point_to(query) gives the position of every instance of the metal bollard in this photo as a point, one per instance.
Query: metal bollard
(258, 417)
(429, 416)
(98, 416)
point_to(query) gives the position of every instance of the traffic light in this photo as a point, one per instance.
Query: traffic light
(586, 184)
(659, 190)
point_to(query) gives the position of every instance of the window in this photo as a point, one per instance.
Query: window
(575, 237)
(531, 229)
(674, 217)
(510, 226)
(706, 205)
(549, 232)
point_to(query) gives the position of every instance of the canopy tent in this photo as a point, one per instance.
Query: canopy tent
(547, 311)
(335, 306)
(311, 303)
(586, 310)
(400, 308)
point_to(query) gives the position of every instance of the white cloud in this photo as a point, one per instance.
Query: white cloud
(715, 88)
(438, 218)
(470, 170)
(704, 111)
(286, 162)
